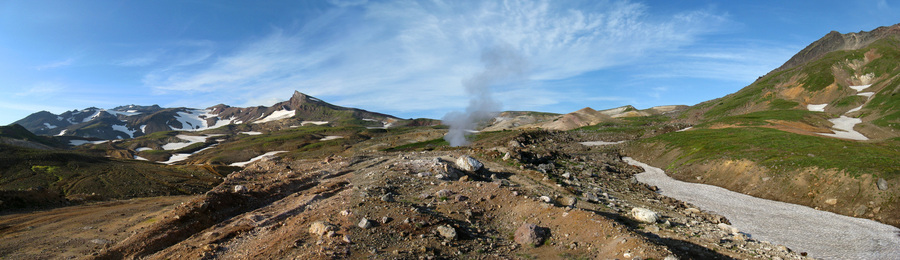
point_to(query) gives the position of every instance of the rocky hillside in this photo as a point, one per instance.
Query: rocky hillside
(822, 131)
(583, 117)
(133, 121)
(855, 75)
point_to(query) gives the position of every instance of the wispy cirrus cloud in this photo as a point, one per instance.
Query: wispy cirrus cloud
(56, 64)
(412, 56)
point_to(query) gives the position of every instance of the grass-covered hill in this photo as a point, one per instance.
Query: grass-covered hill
(771, 138)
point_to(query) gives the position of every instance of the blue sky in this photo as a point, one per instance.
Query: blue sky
(405, 58)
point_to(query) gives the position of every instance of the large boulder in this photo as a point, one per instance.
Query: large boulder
(882, 184)
(531, 234)
(467, 163)
(644, 215)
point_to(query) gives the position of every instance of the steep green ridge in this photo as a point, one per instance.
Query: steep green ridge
(15, 131)
(880, 59)
(75, 175)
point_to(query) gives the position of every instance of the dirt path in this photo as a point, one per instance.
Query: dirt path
(77, 231)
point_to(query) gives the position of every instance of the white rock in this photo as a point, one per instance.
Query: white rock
(644, 215)
(467, 163)
(447, 232)
(365, 223)
(240, 189)
(320, 228)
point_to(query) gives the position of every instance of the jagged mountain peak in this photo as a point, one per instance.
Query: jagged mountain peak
(834, 41)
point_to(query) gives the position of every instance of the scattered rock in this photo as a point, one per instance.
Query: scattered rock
(385, 219)
(467, 163)
(727, 228)
(569, 201)
(546, 199)
(591, 197)
(240, 189)
(447, 232)
(365, 223)
(531, 234)
(320, 228)
(387, 197)
(644, 215)
(445, 193)
(831, 201)
(882, 184)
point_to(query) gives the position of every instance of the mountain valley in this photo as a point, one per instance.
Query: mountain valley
(306, 179)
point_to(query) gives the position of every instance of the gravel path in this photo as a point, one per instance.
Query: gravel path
(822, 234)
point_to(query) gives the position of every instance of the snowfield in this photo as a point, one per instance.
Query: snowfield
(242, 164)
(49, 126)
(314, 122)
(843, 128)
(191, 139)
(817, 108)
(823, 234)
(252, 133)
(277, 115)
(331, 137)
(861, 87)
(124, 129)
(598, 143)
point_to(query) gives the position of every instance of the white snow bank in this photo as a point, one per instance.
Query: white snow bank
(685, 129)
(818, 108)
(866, 94)
(331, 137)
(141, 149)
(49, 126)
(860, 87)
(313, 122)
(843, 128)
(140, 158)
(242, 164)
(124, 129)
(63, 132)
(277, 115)
(598, 143)
(80, 142)
(183, 156)
(854, 109)
(252, 133)
(191, 139)
(823, 234)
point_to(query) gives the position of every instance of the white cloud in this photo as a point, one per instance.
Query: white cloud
(398, 56)
(145, 59)
(56, 64)
(41, 90)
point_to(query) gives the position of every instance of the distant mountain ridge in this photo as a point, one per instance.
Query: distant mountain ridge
(834, 41)
(131, 121)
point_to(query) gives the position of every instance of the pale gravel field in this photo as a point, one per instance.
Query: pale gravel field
(822, 234)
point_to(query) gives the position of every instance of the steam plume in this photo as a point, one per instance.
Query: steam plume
(500, 64)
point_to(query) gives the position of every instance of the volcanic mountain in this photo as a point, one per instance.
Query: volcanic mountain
(131, 121)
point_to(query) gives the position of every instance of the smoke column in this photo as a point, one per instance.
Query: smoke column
(500, 64)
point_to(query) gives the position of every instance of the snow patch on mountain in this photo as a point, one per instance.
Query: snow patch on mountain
(817, 108)
(80, 142)
(843, 128)
(190, 139)
(331, 137)
(49, 126)
(252, 133)
(861, 87)
(124, 129)
(63, 132)
(242, 164)
(277, 115)
(313, 122)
